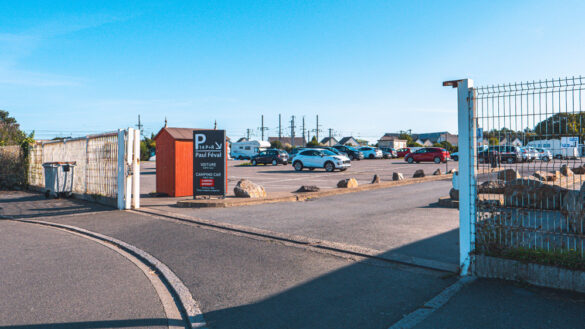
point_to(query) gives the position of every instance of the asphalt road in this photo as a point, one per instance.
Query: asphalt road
(242, 282)
(54, 279)
(404, 219)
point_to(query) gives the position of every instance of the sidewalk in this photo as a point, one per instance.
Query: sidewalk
(54, 279)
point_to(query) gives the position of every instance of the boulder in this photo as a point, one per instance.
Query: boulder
(454, 194)
(509, 175)
(437, 172)
(566, 171)
(376, 179)
(533, 194)
(573, 207)
(347, 183)
(246, 189)
(491, 186)
(419, 173)
(397, 176)
(308, 188)
(545, 176)
(579, 170)
(452, 171)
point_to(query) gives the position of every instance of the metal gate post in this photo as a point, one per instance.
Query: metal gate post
(121, 167)
(467, 194)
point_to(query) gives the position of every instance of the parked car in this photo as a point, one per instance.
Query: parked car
(506, 153)
(434, 154)
(455, 156)
(332, 149)
(319, 158)
(273, 156)
(352, 153)
(371, 152)
(293, 152)
(544, 155)
(402, 152)
(528, 155)
(388, 152)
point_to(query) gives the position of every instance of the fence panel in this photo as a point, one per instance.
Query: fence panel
(530, 200)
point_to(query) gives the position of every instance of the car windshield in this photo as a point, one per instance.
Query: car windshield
(327, 152)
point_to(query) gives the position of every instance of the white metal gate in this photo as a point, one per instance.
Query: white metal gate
(521, 171)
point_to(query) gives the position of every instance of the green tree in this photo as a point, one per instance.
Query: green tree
(313, 142)
(362, 142)
(147, 147)
(276, 144)
(10, 133)
(493, 141)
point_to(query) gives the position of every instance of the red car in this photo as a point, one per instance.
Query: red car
(432, 154)
(402, 152)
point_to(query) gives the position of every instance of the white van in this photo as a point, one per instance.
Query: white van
(245, 150)
(560, 149)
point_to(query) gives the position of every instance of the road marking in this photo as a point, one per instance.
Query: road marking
(413, 319)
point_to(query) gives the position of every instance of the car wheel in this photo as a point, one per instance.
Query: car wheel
(437, 160)
(254, 163)
(410, 160)
(274, 162)
(455, 158)
(329, 167)
(285, 163)
(510, 160)
(298, 166)
(371, 156)
(351, 157)
(481, 160)
(545, 159)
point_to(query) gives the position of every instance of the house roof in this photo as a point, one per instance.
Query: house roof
(326, 140)
(178, 133)
(346, 139)
(388, 137)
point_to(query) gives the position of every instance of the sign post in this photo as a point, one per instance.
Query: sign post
(209, 163)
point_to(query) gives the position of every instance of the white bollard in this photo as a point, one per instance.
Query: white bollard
(129, 149)
(136, 171)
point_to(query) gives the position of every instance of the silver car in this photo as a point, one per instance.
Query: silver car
(320, 158)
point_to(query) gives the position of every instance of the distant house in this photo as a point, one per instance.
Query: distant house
(349, 141)
(298, 141)
(329, 141)
(391, 141)
(243, 139)
(438, 137)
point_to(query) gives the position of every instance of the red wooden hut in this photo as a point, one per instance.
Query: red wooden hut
(174, 161)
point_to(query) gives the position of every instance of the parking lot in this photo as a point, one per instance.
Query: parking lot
(283, 178)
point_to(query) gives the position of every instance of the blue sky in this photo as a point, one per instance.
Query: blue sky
(366, 67)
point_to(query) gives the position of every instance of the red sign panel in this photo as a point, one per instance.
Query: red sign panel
(206, 182)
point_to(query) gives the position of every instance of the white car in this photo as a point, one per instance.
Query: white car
(371, 152)
(320, 158)
(544, 154)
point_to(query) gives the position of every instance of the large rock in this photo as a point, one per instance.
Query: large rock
(573, 207)
(579, 170)
(347, 183)
(376, 179)
(452, 171)
(509, 175)
(531, 193)
(308, 188)
(545, 176)
(491, 186)
(419, 173)
(437, 172)
(397, 176)
(566, 171)
(454, 194)
(246, 189)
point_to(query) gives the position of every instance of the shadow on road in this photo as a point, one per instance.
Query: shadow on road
(130, 323)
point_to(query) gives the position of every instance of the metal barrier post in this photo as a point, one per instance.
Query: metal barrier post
(129, 149)
(136, 171)
(467, 149)
(121, 166)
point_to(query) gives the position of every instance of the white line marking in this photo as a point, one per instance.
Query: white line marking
(413, 319)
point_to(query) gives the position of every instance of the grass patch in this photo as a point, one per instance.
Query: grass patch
(244, 164)
(571, 259)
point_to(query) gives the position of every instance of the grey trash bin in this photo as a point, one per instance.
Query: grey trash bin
(59, 178)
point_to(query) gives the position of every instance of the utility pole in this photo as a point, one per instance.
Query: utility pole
(262, 128)
(248, 131)
(279, 128)
(165, 122)
(292, 131)
(317, 129)
(304, 128)
(215, 125)
(330, 135)
(139, 125)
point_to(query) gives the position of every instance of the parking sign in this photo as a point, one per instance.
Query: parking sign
(209, 163)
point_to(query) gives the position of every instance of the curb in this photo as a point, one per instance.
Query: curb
(188, 306)
(302, 241)
(236, 202)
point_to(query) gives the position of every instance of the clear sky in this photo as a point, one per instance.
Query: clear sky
(366, 67)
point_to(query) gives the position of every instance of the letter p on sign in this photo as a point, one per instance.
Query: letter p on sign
(199, 139)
